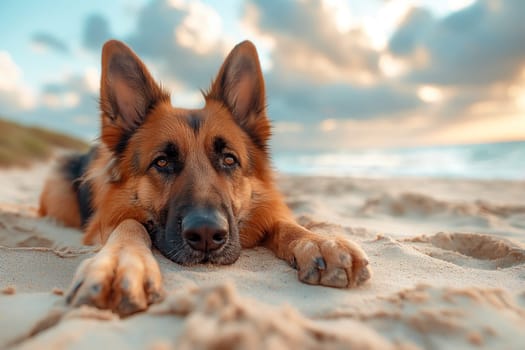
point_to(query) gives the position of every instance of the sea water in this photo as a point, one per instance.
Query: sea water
(504, 160)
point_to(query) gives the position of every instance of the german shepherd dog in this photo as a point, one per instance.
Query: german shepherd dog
(196, 184)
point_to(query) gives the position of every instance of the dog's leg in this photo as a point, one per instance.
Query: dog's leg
(59, 200)
(328, 261)
(124, 276)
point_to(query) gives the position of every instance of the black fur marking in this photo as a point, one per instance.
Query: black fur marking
(122, 144)
(74, 169)
(218, 145)
(171, 150)
(195, 122)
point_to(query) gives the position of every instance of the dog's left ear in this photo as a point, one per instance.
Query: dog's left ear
(127, 93)
(240, 86)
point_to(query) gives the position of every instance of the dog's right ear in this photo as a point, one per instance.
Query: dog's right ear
(127, 93)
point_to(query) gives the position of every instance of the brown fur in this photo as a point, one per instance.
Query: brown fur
(135, 200)
(58, 200)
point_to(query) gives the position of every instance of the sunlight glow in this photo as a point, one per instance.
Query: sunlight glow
(430, 94)
(328, 125)
(343, 18)
(517, 93)
(392, 66)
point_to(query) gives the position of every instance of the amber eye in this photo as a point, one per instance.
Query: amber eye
(161, 162)
(229, 160)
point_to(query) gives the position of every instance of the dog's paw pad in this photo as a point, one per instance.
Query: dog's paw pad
(335, 278)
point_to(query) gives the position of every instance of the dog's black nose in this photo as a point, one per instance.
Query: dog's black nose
(205, 229)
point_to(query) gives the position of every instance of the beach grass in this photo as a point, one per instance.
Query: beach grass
(22, 145)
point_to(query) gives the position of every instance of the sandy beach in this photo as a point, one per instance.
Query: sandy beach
(448, 258)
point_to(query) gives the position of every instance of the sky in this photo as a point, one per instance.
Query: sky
(339, 74)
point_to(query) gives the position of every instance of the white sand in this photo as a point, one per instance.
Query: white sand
(448, 258)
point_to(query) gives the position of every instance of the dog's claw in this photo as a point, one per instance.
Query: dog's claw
(128, 306)
(293, 263)
(321, 264)
(363, 275)
(155, 297)
(95, 288)
(73, 291)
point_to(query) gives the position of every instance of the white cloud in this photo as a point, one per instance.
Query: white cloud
(92, 79)
(392, 66)
(380, 26)
(340, 10)
(430, 94)
(66, 99)
(15, 95)
(187, 99)
(201, 30)
(10, 74)
(265, 42)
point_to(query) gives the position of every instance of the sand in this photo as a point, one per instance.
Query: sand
(448, 258)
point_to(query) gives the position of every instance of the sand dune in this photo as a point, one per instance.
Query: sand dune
(448, 260)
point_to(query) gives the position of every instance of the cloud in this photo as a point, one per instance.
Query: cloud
(415, 25)
(320, 71)
(309, 102)
(15, 95)
(331, 80)
(181, 41)
(46, 41)
(480, 44)
(178, 39)
(96, 32)
(308, 40)
(201, 28)
(69, 105)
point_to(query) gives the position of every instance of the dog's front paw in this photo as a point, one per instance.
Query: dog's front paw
(125, 280)
(330, 262)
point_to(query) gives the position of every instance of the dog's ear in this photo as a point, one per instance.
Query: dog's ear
(240, 86)
(127, 93)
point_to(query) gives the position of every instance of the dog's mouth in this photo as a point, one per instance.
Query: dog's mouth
(200, 236)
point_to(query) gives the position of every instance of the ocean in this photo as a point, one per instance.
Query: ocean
(505, 160)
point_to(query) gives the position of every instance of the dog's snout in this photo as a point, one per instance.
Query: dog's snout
(204, 229)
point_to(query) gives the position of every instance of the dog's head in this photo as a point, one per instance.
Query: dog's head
(189, 175)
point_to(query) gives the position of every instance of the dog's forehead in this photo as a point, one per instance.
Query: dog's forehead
(185, 127)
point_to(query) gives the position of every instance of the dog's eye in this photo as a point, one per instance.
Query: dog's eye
(161, 162)
(229, 160)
